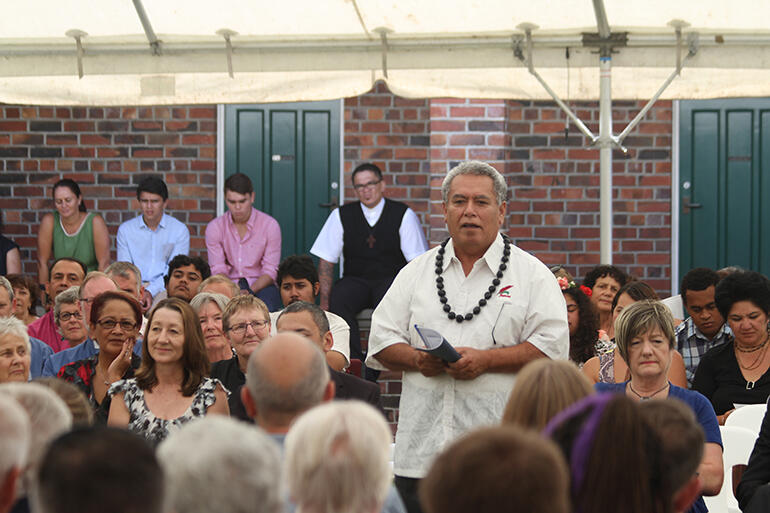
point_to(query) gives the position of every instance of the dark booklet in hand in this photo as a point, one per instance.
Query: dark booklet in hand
(437, 345)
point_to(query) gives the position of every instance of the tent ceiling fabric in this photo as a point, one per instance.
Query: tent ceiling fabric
(303, 50)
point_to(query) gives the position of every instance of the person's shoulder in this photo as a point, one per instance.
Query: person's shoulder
(222, 367)
(354, 382)
(610, 388)
(172, 221)
(134, 222)
(40, 346)
(718, 352)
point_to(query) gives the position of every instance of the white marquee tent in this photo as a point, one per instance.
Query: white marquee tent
(151, 52)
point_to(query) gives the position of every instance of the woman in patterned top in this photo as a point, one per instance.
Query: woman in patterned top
(172, 385)
(115, 321)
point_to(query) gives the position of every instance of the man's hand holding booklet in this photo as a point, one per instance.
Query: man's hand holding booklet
(437, 345)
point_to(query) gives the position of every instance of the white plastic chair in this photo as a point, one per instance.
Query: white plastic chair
(749, 417)
(738, 443)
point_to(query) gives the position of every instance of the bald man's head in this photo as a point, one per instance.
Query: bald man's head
(286, 375)
(95, 283)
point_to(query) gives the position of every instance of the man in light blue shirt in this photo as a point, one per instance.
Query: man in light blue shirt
(151, 240)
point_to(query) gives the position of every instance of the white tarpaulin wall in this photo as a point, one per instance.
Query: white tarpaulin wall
(300, 50)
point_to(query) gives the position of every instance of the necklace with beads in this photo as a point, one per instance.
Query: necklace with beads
(647, 397)
(487, 295)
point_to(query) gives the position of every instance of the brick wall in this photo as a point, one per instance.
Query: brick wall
(107, 151)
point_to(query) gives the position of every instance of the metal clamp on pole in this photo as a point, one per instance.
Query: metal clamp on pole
(692, 49)
(519, 54)
(383, 32)
(78, 35)
(227, 34)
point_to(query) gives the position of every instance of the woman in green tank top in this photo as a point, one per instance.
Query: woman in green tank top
(72, 232)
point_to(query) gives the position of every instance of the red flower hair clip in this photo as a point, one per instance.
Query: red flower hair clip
(586, 290)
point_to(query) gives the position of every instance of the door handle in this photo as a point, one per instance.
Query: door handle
(692, 205)
(332, 204)
(687, 205)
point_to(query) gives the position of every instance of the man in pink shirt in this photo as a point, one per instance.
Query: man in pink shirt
(245, 244)
(64, 273)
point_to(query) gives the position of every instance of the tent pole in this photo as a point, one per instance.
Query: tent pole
(605, 143)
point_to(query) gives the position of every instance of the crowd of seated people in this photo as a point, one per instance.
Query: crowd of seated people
(167, 356)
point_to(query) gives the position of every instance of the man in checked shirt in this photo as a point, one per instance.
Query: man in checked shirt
(705, 328)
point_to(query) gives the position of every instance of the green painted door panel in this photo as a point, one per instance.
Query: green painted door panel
(291, 152)
(723, 183)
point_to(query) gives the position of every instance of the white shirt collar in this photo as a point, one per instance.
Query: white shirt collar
(373, 214)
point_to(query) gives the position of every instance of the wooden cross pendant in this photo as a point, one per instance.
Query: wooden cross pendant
(371, 240)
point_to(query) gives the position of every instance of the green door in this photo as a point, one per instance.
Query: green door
(291, 152)
(724, 184)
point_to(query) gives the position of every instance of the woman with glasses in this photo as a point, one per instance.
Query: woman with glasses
(115, 321)
(171, 386)
(71, 231)
(246, 322)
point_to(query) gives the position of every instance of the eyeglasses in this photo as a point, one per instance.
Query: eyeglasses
(69, 315)
(109, 324)
(369, 185)
(240, 329)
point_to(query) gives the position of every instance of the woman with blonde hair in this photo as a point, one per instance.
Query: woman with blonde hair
(544, 388)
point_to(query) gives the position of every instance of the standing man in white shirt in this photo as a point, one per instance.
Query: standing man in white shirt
(152, 239)
(499, 306)
(377, 237)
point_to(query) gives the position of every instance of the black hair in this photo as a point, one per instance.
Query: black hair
(367, 166)
(742, 286)
(600, 271)
(123, 464)
(153, 185)
(299, 267)
(183, 260)
(698, 279)
(74, 187)
(636, 290)
(239, 183)
(68, 259)
(581, 345)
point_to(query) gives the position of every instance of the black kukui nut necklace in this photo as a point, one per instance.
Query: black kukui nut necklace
(487, 295)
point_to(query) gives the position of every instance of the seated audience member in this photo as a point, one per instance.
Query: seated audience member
(544, 388)
(14, 446)
(10, 256)
(94, 284)
(171, 386)
(48, 418)
(583, 321)
(466, 476)
(246, 322)
(73, 397)
(286, 376)
(219, 284)
(27, 295)
(115, 320)
(613, 455)
(645, 339)
(309, 320)
(705, 328)
(610, 367)
(377, 237)
(36, 350)
(347, 444)
(68, 316)
(209, 307)
(244, 243)
(128, 278)
(14, 351)
(605, 282)
(95, 470)
(65, 273)
(754, 489)
(736, 372)
(681, 439)
(152, 239)
(216, 464)
(298, 281)
(70, 231)
(185, 275)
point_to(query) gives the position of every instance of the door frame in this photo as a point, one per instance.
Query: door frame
(675, 198)
(220, 181)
